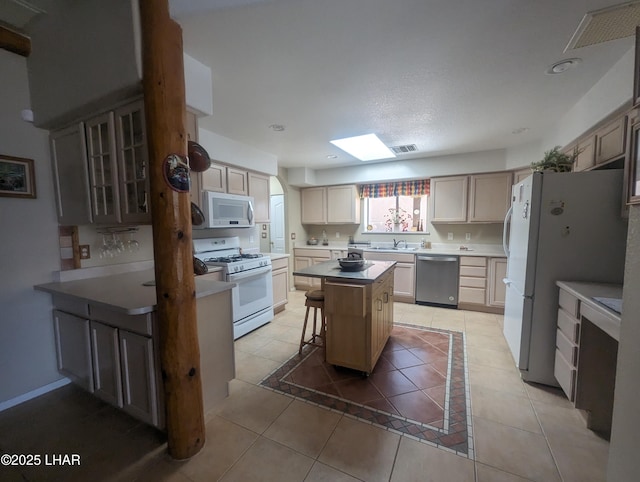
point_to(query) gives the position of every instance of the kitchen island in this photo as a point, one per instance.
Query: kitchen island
(107, 339)
(358, 306)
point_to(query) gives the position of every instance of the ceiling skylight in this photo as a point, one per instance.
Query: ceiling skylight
(366, 148)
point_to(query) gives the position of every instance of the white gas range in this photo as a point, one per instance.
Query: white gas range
(252, 297)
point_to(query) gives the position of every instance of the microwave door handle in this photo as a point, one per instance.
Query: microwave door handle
(250, 213)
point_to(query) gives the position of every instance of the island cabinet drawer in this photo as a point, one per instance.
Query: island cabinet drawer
(476, 271)
(566, 375)
(567, 348)
(569, 325)
(141, 324)
(71, 305)
(570, 303)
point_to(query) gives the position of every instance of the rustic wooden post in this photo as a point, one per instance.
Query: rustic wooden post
(164, 97)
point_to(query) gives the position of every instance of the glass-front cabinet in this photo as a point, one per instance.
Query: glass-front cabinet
(118, 166)
(133, 164)
(103, 174)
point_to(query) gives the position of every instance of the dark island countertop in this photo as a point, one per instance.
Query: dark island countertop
(371, 271)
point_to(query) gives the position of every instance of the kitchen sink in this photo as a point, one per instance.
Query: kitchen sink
(376, 248)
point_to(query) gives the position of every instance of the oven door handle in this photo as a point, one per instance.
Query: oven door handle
(252, 273)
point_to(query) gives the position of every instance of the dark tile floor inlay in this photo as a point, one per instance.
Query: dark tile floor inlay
(418, 387)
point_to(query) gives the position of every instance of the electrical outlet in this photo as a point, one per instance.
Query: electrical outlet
(264, 235)
(85, 251)
(293, 236)
(337, 234)
(467, 236)
(450, 236)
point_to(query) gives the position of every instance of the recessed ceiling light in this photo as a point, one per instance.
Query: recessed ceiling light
(332, 156)
(366, 147)
(562, 66)
(276, 127)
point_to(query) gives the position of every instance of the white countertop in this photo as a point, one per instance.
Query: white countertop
(600, 315)
(485, 250)
(125, 292)
(277, 255)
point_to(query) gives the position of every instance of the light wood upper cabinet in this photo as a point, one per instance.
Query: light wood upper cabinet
(478, 198)
(489, 197)
(343, 205)
(313, 205)
(259, 190)
(520, 174)
(215, 178)
(610, 141)
(237, 181)
(449, 199)
(586, 153)
(70, 175)
(330, 205)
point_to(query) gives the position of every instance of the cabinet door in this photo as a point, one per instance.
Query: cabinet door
(343, 205)
(489, 197)
(405, 281)
(449, 199)
(520, 174)
(497, 289)
(73, 347)
(133, 163)
(259, 189)
(106, 363)
(314, 205)
(237, 181)
(586, 158)
(280, 289)
(300, 262)
(70, 175)
(138, 372)
(215, 179)
(103, 171)
(316, 283)
(610, 141)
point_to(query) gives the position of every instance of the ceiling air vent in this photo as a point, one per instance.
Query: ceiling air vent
(404, 149)
(606, 24)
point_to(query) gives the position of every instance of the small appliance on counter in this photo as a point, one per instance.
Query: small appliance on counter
(312, 241)
(252, 297)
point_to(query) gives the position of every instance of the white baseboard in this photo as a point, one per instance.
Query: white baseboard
(33, 394)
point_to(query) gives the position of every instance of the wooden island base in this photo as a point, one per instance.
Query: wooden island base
(359, 312)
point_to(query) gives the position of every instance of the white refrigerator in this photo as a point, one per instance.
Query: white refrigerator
(560, 227)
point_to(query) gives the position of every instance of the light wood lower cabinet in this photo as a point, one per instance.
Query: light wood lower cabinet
(359, 321)
(280, 277)
(303, 258)
(497, 289)
(481, 287)
(73, 348)
(140, 396)
(404, 278)
(106, 363)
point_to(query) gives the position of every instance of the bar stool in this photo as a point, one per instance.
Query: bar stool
(315, 300)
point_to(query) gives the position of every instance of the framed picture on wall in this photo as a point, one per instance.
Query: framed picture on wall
(17, 177)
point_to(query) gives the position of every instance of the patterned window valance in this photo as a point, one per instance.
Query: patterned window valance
(388, 189)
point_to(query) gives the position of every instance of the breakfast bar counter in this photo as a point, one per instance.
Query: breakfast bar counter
(358, 307)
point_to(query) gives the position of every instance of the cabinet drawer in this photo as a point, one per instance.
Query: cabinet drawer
(565, 374)
(472, 295)
(313, 253)
(473, 261)
(141, 324)
(279, 263)
(570, 303)
(399, 257)
(71, 305)
(567, 348)
(569, 325)
(477, 271)
(472, 282)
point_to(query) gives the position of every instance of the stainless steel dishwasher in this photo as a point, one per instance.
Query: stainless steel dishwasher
(437, 280)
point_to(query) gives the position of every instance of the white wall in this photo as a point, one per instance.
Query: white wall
(485, 161)
(29, 240)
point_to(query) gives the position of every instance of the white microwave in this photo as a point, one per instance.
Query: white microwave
(227, 210)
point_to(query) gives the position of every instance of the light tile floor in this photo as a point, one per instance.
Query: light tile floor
(522, 432)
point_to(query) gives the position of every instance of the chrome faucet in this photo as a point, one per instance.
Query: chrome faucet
(396, 243)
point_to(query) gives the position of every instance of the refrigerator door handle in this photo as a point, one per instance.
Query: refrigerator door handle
(505, 229)
(507, 281)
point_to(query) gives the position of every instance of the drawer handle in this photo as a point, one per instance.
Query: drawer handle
(379, 304)
(385, 297)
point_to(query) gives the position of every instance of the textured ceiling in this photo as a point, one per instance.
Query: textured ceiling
(450, 76)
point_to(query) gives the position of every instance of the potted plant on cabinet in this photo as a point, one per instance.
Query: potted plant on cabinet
(555, 160)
